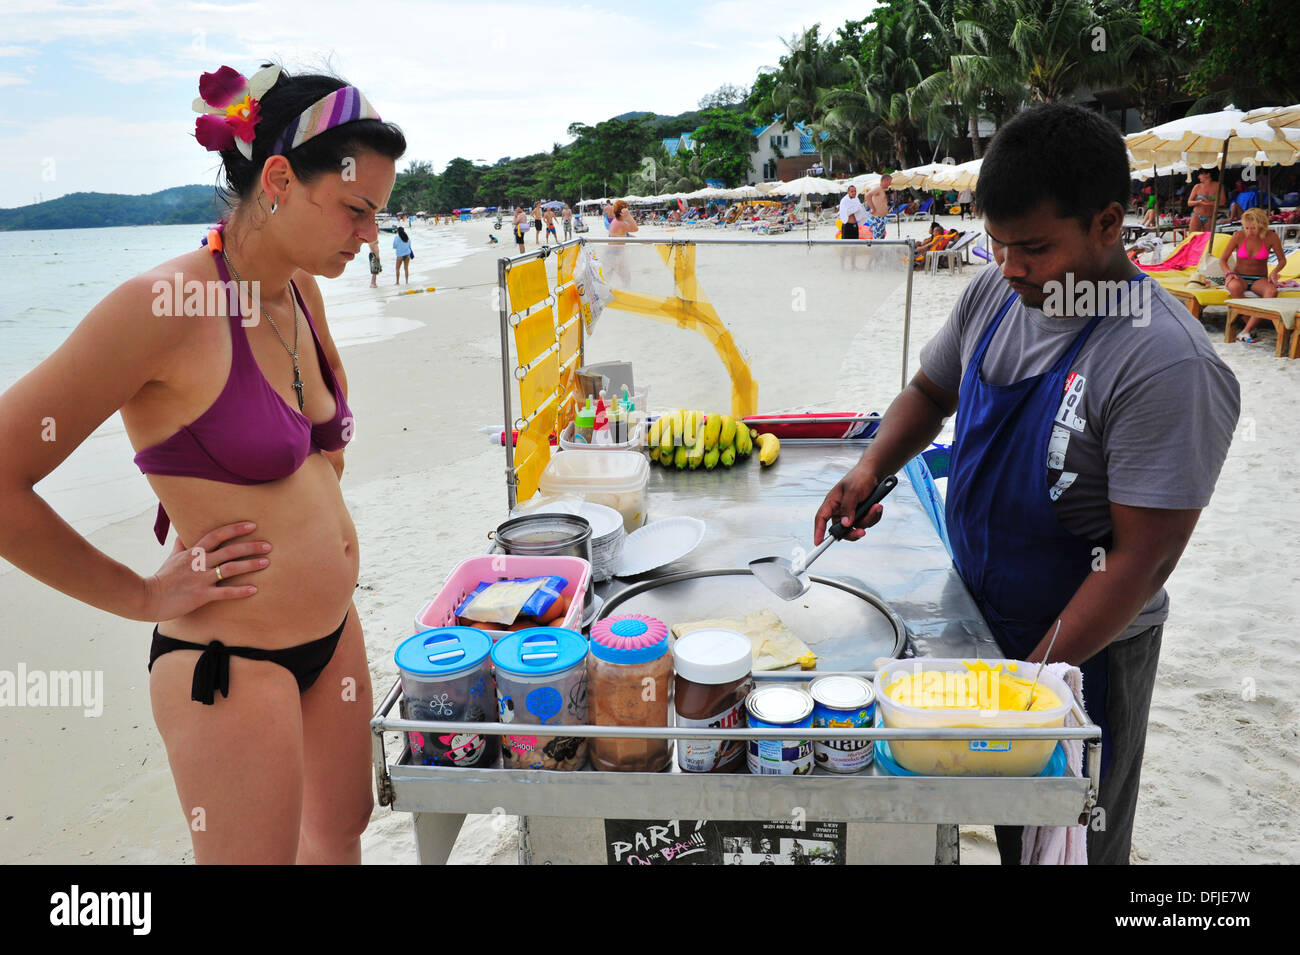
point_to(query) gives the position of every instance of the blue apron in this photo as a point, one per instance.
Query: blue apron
(1021, 566)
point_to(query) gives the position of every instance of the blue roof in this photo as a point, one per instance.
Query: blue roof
(672, 144)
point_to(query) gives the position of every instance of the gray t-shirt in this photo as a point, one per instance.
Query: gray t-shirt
(1148, 410)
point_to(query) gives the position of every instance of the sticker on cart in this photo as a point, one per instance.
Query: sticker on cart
(718, 842)
(990, 745)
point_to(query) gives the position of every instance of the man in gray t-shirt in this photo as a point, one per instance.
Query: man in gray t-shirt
(1146, 416)
(1092, 420)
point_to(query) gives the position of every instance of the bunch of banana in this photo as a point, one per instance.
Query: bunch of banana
(688, 439)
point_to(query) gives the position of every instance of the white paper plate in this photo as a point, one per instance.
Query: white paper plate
(603, 520)
(659, 543)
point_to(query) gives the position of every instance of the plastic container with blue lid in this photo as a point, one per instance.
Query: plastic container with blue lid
(445, 676)
(629, 677)
(541, 676)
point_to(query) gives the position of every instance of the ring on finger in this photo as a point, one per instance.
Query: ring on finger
(218, 570)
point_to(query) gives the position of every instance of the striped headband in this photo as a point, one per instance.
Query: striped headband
(346, 105)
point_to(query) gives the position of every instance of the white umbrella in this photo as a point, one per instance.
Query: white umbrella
(962, 176)
(868, 180)
(812, 186)
(1223, 138)
(475, 211)
(744, 192)
(775, 188)
(919, 177)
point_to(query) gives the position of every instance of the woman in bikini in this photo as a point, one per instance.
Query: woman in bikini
(1252, 243)
(239, 416)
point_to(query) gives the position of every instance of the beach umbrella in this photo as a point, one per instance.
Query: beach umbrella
(744, 192)
(962, 176)
(776, 188)
(553, 204)
(919, 177)
(868, 180)
(1222, 138)
(811, 186)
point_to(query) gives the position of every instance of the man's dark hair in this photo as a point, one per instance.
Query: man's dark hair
(1058, 152)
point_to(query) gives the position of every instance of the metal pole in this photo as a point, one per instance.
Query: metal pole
(506, 375)
(907, 309)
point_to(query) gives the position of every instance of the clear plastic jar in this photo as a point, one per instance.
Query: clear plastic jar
(629, 681)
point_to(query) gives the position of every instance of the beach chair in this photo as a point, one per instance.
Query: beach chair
(956, 255)
(893, 214)
(920, 213)
(1281, 312)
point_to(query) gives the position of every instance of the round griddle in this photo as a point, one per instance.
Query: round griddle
(846, 627)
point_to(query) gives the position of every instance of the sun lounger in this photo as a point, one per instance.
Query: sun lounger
(919, 214)
(954, 255)
(1281, 312)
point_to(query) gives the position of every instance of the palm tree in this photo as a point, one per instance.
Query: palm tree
(876, 96)
(805, 72)
(976, 74)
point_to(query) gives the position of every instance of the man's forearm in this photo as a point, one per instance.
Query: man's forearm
(1103, 606)
(910, 424)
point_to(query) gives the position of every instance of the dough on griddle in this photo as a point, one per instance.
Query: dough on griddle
(774, 646)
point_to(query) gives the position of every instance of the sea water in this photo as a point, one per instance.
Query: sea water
(50, 280)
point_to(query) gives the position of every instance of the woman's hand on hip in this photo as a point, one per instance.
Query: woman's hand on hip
(194, 576)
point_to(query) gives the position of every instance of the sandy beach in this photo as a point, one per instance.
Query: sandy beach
(1221, 781)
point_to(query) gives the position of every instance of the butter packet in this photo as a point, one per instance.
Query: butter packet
(501, 602)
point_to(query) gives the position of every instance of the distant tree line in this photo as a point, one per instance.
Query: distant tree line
(89, 210)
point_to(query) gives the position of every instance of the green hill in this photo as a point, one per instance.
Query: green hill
(89, 210)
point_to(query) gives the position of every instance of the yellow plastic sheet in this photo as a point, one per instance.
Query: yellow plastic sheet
(527, 285)
(570, 340)
(532, 454)
(569, 303)
(565, 261)
(539, 385)
(534, 335)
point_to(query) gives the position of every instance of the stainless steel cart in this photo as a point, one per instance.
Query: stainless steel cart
(891, 594)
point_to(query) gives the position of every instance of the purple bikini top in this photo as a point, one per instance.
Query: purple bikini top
(250, 434)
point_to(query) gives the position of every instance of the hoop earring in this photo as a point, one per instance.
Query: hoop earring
(275, 204)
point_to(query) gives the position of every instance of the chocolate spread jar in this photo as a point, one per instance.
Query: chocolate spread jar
(713, 679)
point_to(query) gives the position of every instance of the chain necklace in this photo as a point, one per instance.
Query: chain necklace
(293, 352)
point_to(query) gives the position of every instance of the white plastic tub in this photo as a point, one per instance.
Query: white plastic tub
(983, 757)
(617, 479)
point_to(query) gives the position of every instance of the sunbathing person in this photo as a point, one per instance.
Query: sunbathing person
(940, 238)
(1252, 244)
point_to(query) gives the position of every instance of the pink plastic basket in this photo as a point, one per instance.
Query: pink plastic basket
(441, 611)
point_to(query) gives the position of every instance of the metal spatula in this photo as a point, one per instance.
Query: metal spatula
(789, 580)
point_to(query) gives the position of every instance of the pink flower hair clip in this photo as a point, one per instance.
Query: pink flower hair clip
(229, 107)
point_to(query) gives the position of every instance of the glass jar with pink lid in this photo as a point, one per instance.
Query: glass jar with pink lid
(629, 681)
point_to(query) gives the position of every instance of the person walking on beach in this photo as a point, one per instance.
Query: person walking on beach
(537, 224)
(852, 214)
(567, 217)
(402, 246)
(257, 674)
(521, 228)
(549, 218)
(877, 203)
(1088, 439)
(622, 226)
(376, 264)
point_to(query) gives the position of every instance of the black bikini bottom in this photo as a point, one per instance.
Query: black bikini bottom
(212, 671)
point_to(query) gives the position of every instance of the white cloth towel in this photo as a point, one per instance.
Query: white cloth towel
(1060, 845)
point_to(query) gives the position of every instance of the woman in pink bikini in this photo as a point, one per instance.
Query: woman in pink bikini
(258, 674)
(1252, 244)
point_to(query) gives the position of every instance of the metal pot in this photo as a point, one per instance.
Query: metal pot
(548, 535)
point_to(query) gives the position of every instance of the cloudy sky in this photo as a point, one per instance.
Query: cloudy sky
(97, 93)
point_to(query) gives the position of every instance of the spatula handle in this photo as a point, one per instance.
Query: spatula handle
(839, 531)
